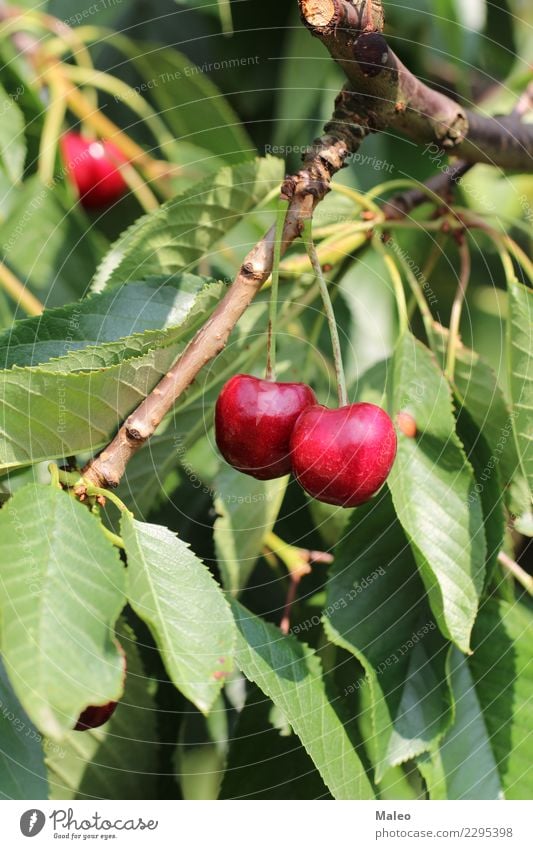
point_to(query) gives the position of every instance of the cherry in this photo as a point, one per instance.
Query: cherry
(253, 423)
(343, 456)
(94, 716)
(94, 169)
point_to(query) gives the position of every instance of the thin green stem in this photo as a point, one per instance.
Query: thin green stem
(457, 310)
(394, 185)
(226, 18)
(106, 493)
(113, 538)
(273, 310)
(307, 235)
(358, 197)
(126, 95)
(397, 282)
(517, 572)
(18, 292)
(54, 475)
(53, 124)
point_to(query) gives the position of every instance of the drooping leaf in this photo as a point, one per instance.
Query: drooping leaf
(378, 610)
(119, 760)
(464, 767)
(247, 510)
(433, 490)
(488, 486)
(503, 677)
(477, 389)
(487, 754)
(22, 771)
(289, 673)
(176, 235)
(173, 592)
(12, 141)
(61, 591)
(520, 351)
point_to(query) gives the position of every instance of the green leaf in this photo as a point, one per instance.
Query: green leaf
(190, 103)
(477, 389)
(464, 767)
(156, 305)
(247, 510)
(185, 228)
(174, 593)
(12, 141)
(488, 752)
(266, 762)
(503, 676)
(64, 407)
(22, 772)
(378, 610)
(119, 760)
(520, 347)
(433, 490)
(50, 243)
(288, 672)
(61, 591)
(487, 485)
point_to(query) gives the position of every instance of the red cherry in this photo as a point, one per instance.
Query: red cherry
(343, 456)
(94, 169)
(253, 423)
(94, 716)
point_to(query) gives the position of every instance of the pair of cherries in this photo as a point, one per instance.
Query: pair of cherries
(94, 168)
(267, 429)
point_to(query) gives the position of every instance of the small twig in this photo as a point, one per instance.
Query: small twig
(441, 184)
(294, 582)
(298, 563)
(517, 572)
(18, 292)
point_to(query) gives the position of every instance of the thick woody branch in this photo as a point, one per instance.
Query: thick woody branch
(304, 190)
(444, 183)
(393, 98)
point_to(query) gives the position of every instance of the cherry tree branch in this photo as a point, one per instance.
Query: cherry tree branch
(343, 136)
(385, 95)
(393, 98)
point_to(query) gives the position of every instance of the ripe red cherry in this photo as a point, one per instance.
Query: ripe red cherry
(253, 423)
(343, 456)
(94, 169)
(94, 716)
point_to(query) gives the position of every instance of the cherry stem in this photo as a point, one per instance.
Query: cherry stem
(285, 624)
(307, 234)
(457, 309)
(273, 313)
(516, 571)
(19, 292)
